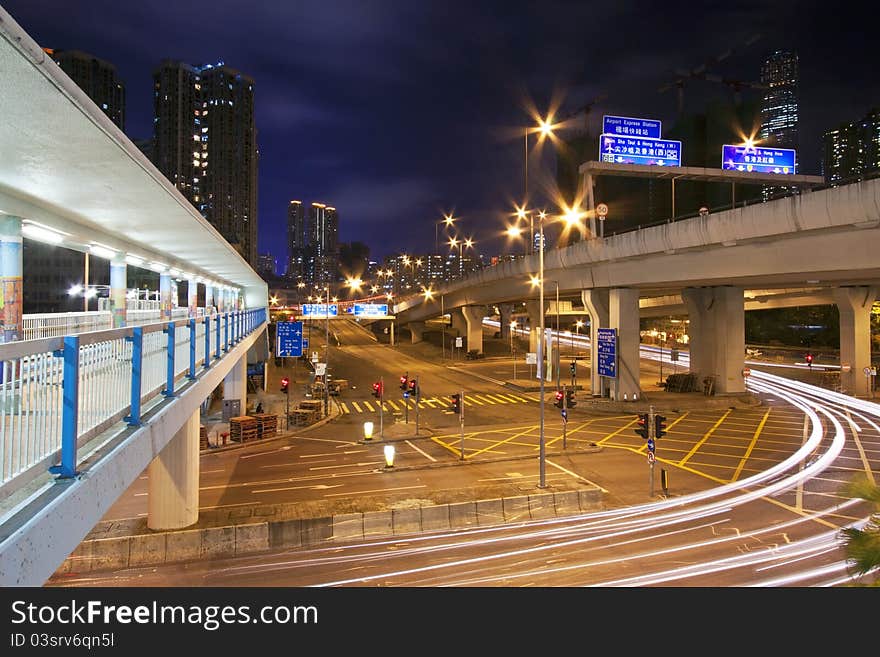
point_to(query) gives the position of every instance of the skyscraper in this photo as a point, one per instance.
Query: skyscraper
(324, 241)
(297, 241)
(779, 109)
(97, 78)
(852, 150)
(205, 143)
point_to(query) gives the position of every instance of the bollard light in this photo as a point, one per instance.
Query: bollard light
(368, 430)
(389, 456)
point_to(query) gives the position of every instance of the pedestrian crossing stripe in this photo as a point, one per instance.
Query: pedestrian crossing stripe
(473, 399)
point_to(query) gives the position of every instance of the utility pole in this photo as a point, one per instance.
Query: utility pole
(461, 421)
(381, 407)
(418, 398)
(651, 438)
(564, 415)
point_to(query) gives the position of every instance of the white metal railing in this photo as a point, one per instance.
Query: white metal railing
(37, 427)
(49, 325)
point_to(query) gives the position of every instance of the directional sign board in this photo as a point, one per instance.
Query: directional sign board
(607, 352)
(289, 339)
(639, 150)
(320, 309)
(757, 159)
(370, 309)
(629, 127)
(650, 444)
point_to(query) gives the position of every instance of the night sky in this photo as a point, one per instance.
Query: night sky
(397, 112)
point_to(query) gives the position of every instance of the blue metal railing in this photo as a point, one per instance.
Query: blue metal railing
(56, 393)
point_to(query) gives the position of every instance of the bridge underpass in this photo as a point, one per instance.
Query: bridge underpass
(83, 411)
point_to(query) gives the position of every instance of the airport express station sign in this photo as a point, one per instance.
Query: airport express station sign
(621, 149)
(757, 159)
(626, 126)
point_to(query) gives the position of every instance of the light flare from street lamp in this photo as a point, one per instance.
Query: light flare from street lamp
(535, 281)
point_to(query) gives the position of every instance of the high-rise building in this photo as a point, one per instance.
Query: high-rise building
(97, 78)
(779, 107)
(205, 143)
(297, 241)
(323, 267)
(266, 265)
(852, 150)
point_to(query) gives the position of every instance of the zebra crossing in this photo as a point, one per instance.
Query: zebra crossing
(470, 399)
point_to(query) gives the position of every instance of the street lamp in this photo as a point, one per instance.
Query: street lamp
(542, 466)
(461, 244)
(448, 220)
(544, 128)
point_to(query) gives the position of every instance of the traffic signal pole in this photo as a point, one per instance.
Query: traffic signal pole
(564, 414)
(461, 421)
(417, 398)
(381, 407)
(651, 438)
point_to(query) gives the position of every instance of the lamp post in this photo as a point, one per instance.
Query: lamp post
(448, 220)
(542, 467)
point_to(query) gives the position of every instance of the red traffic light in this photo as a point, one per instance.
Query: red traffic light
(285, 382)
(809, 358)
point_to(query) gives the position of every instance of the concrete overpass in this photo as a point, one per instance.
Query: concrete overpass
(82, 416)
(816, 247)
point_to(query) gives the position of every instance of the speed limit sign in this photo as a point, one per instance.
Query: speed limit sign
(602, 210)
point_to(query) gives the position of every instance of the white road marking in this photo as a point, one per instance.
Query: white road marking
(375, 490)
(575, 475)
(427, 456)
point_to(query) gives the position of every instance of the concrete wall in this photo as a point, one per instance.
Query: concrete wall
(257, 536)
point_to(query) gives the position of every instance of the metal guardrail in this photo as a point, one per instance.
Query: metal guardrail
(58, 392)
(48, 325)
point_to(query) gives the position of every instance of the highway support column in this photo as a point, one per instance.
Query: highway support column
(596, 302)
(623, 314)
(173, 476)
(717, 335)
(473, 317)
(416, 331)
(118, 290)
(11, 269)
(854, 304)
(505, 312)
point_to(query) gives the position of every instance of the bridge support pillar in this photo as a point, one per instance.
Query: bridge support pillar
(118, 290)
(505, 311)
(235, 384)
(11, 268)
(416, 331)
(473, 317)
(173, 480)
(854, 304)
(717, 335)
(623, 314)
(596, 303)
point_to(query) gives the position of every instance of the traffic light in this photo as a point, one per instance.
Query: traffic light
(413, 388)
(285, 383)
(569, 399)
(456, 403)
(572, 368)
(659, 426)
(559, 398)
(403, 381)
(809, 359)
(642, 426)
(377, 389)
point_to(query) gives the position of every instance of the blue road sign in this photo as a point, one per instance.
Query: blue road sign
(564, 415)
(650, 444)
(289, 339)
(631, 127)
(305, 343)
(370, 309)
(757, 159)
(639, 150)
(607, 352)
(319, 309)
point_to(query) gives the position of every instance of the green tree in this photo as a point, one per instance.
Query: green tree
(863, 545)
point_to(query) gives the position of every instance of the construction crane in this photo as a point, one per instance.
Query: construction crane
(701, 72)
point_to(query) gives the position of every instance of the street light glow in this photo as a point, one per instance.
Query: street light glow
(513, 231)
(428, 292)
(535, 281)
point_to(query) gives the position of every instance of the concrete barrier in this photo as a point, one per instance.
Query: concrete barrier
(114, 553)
